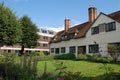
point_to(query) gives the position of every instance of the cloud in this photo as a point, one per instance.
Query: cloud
(56, 29)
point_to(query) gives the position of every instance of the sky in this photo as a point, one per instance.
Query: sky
(52, 13)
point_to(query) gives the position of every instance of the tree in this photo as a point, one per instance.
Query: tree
(10, 30)
(114, 51)
(29, 34)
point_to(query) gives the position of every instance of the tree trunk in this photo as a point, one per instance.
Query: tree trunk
(22, 50)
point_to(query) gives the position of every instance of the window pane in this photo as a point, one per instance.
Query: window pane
(57, 50)
(110, 26)
(52, 50)
(95, 30)
(93, 48)
(62, 49)
(72, 49)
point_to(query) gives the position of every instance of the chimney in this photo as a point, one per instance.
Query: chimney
(92, 14)
(67, 24)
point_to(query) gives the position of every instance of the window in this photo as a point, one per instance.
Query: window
(72, 35)
(50, 32)
(81, 49)
(72, 49)
(93, 48)
(64, 37)
(45, 37)
(9, 51)
(52, 50)
(44, 31)
(57, 50)
(110, 26)
(62, 49)
(95, 30)
(45, 45)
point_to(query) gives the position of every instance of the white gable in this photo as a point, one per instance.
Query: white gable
(102, 19)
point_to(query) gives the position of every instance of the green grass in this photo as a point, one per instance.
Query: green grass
(88, 69)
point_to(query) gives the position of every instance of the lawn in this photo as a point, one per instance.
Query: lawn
(87, 69)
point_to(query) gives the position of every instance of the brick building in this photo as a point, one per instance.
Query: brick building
(43, 43)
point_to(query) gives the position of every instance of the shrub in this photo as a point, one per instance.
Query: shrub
(65, 56)
(81, 57)
(25, 69)
(101, 59)
(73, 75)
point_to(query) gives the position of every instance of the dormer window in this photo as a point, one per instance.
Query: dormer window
(64, 37)
(71, 35)
(95, 30)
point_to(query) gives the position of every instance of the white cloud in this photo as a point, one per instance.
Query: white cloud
(56, 29)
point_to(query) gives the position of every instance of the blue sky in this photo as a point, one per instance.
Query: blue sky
(51, 13)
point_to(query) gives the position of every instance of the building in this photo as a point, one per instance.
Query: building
(92, 36)
(43, 44)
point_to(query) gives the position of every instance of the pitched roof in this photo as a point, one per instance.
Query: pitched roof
(115, 16)
(82, 29)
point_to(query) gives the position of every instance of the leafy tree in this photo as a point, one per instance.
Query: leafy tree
(10, 30)
(29, 34)
(114, 51)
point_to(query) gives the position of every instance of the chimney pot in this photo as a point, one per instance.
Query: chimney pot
(92, 14)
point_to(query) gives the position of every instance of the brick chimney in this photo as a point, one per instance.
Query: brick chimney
(67, 24)
(92, 14)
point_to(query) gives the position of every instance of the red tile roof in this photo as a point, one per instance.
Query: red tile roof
(115, 16)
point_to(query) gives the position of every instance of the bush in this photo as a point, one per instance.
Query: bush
(65, 56)
(97, 58)
(81, 57)
(101, 59)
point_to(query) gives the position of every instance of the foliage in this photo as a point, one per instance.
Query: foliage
(25, 69)
(60, 67)
(73, 75)
(82, 57)
(29, 34)
(109, 73)
(65, 56)
(42, 56)
(10, 28)
(101, 59)
(114, 51)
